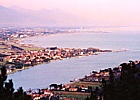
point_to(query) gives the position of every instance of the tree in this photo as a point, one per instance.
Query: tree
(127, 88)
(92, 96)
(7, 90)
(21, 95)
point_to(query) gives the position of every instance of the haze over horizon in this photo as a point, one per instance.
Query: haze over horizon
(91, 12)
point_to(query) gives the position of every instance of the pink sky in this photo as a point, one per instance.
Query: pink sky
(113, 12)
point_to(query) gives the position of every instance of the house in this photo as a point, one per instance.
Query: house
(73, 89)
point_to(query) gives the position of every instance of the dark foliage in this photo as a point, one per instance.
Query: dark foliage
(7, 90)
(126, 88)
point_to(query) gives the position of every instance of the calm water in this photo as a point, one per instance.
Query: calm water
(62, 71)
(129, 40)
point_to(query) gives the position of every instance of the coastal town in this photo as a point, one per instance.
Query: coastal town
(20, 60)
(17, 57)
(83, 86)
(69, 50)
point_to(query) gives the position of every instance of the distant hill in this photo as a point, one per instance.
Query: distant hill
(55, 17)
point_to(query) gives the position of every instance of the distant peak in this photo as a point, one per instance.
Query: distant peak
(16, 7)
(56, 9)
(2, 6)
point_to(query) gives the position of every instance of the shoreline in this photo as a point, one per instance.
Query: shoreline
(32, 46)
(88, 55)
(86, 85)
(65, 58)
(49, 34)
(20, 40)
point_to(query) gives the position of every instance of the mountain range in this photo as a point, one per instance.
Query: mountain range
(55, 17)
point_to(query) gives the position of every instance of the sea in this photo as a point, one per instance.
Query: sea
(62, 71)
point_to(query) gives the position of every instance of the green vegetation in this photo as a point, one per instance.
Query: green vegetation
(124, 87)
(8, 47)
(7, 90)
(32, 48)
(75, 96)
(79, 95)
(127, 88)
(86, 84)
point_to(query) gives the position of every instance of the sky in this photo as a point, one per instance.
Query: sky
(111, 12)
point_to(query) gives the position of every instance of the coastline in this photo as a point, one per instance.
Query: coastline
(88, 76)
(90, 55)
(78, 56)
(31, 44)
(88, 84)
(20, 40)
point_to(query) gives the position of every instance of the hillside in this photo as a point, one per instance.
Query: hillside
(55, 17)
